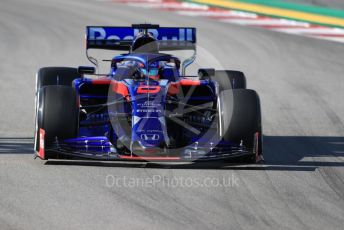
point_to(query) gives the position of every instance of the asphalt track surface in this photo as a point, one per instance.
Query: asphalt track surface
(300, 81)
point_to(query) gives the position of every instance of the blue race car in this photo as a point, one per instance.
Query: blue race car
(145, 108)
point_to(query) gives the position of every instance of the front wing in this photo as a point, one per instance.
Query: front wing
(100, 148)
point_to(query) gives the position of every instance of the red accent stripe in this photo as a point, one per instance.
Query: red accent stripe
(117, 87)
(215, 10)
(101, 82)
(148, 89)
(189, 82)
(222, 17)
(173, 89)
(120, 88)
(174, 86)
(41, 152)
(155, 78)
(149, 158)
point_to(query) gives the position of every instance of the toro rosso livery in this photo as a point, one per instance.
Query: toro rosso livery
(145, 107)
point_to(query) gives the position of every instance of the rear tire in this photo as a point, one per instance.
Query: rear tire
(227, 79)
(56, 76)
(230, 79)
(240, 119)
(57, 115)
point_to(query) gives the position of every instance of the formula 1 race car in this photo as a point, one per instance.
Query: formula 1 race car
(145, 108)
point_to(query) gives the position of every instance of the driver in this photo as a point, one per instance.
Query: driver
(144, 42)
(153, 72)
(138, 71)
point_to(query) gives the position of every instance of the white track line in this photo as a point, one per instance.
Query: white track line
(225, 13)
(171, 6)
(263, 22)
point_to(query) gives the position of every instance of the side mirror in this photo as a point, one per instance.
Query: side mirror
(206, 73)
(86, 70)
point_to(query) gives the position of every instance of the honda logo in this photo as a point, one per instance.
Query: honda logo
(150, 137)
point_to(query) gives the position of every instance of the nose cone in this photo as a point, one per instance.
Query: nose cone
(149, 131)
(148, 123)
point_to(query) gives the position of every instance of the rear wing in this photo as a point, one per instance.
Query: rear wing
(121, 38)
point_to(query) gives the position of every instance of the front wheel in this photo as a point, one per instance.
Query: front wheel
(57, 116)
(240, 119)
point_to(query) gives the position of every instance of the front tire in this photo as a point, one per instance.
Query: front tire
(48, 76)
(240, 119)
(57, 114)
